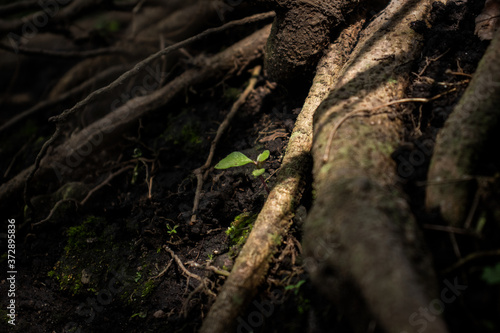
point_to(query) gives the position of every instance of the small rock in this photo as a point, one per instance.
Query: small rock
(85, 277)
(159, 314)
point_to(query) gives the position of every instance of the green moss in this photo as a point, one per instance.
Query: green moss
(190, 134)
(141, 315)
(94, 256)
(89, 249)
(105, 26)
(239, 230)
(231, 94)
(182, 131)
(68, 279)
(3, 315)
(303, 305)
(71, 190)
(276, 239)
(81, 235)
(148, 287)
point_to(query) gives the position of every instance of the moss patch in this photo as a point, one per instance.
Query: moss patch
(93, 263)
(239, 230)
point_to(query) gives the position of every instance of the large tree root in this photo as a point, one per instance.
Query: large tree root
(464, 140)
(274, 220)
(362, 244)
(66, 158)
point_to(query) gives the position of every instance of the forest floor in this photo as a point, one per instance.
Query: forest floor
(106, 268)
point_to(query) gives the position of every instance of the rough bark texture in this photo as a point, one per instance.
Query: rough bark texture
(298, 38)
(363, 247)
(464, 139)
(300, 33)
(275, 218)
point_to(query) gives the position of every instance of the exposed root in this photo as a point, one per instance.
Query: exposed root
(274, 220)
(52, 211)
(360, 238)
(462, 143)
(472, 257)
(369, 113)
(101, 132)
(204, 282)
(104, 183)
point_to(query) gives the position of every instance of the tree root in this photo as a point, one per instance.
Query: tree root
(204, 282)
(464, 141)
(274, 220)
(64, 159)
(362, 245)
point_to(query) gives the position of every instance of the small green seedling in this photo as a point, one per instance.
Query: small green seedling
(295, 287)
(492, 274)
(137, 155)
(139, 315)
(236, 159)
(171, 230)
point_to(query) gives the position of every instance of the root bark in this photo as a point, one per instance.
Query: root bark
(274, 220)
(65, 159)
(463, 142)
(363, 247)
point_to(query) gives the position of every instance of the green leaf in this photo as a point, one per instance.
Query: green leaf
(139, 314)
(232, 160)
(263, 156)
(492, 274)
(137, 153)
(258, 172)
(295, 287)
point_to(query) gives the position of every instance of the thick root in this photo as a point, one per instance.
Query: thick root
(363, 247)
(464, 140)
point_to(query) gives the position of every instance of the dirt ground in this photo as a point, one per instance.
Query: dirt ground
(105, 267)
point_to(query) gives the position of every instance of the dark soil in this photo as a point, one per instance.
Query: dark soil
(101, 268)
